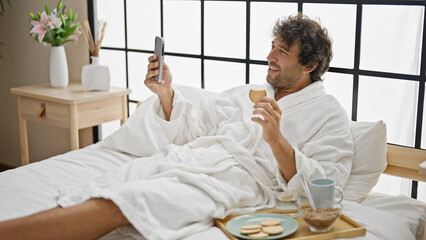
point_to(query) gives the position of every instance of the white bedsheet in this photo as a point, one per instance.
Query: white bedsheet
(34, 188)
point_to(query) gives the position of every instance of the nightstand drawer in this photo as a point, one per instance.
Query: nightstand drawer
(94, 113)
(54, 113)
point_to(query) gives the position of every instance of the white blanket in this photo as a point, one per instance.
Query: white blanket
(211, 161)
(33, 188)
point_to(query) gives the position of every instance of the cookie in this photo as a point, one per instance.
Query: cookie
(253, 226)
(259, 235)
(250, 231)
(287, 197)
(273, 230)
(256, 95)
(270, 222)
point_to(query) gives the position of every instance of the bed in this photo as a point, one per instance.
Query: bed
(36, 187)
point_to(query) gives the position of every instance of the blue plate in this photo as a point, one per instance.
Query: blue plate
(234, 225)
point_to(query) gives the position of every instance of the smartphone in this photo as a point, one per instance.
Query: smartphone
(159, 51)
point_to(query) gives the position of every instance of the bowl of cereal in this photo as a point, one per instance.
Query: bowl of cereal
(320, 220)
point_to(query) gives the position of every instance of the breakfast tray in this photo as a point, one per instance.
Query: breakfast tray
(345, 227)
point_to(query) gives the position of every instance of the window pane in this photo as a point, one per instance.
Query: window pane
(113, 12)
(132, 108)
(221, 76)
(258, 73)
(393, 185)
(391, 38)
(116, 62)
(394, 102)
(185, 71)
(109, 128)
(182, 26)
(421, 191)
(339, 20)
(143, 23)
(225, 29)
(262, 20)
(138, 63)
(340, 86)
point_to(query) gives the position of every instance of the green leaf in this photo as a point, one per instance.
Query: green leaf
(63, 19)
(2, 8)
(47, 10)
(74, 17)
(49, 37)
(68, 32)
(63, 9)
(58, 7)
(39, 15)
(33, 17)
(69, 13)
(60, 30)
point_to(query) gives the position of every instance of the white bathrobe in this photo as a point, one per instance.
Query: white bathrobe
(211, 161)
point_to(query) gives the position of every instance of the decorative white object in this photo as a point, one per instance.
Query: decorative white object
(58, 68)
(95, 76)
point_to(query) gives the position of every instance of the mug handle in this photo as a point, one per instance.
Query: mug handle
(341, 193)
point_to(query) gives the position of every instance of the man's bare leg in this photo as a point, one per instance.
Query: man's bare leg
(89, 220)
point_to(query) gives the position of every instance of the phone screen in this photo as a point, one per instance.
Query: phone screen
(159, 51)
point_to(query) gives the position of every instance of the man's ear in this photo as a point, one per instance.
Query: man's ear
(310, 66)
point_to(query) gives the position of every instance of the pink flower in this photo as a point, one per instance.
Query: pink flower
(54, 26)
(39, 27)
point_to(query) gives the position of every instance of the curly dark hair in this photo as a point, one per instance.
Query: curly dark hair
(315, 42)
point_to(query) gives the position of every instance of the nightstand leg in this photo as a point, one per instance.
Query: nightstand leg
(73, 127)
(124, 109)
(23, 136)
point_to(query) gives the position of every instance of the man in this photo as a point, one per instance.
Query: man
(217, 159)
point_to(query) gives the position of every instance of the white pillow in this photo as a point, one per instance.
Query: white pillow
(370, 158)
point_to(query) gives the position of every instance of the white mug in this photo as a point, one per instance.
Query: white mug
(323, 192)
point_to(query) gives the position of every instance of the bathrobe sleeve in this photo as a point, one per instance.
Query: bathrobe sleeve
(322, 143)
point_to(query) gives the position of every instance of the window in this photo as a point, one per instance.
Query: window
(377, 72)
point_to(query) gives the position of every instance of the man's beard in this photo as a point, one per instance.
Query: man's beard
(284, 79)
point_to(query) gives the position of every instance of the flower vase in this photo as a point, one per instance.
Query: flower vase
(58, 68)
(95, 76)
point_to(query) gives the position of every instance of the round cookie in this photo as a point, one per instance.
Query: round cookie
(259, 235)
(256, 95)
(287, 197)
(273, 230)
(253, 226)
(270, 222)
(250, 231)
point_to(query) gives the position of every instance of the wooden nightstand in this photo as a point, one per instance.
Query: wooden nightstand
(68, 107)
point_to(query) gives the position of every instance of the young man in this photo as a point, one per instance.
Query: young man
(217, 159)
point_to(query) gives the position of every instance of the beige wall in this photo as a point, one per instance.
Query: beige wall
(26, 62)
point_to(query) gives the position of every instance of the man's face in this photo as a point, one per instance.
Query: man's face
(284, 67)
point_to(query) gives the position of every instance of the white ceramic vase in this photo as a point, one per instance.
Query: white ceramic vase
(95, 76)
(58, 68)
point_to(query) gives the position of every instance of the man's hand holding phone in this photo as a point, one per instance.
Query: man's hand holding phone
(156, 69)
(163, 87)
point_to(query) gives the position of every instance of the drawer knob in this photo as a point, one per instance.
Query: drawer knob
(42, 110)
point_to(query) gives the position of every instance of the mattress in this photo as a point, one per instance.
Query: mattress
(35, 187)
